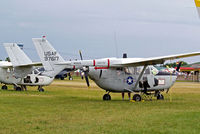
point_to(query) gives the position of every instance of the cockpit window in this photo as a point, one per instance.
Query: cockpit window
(154, 70)
(139, 70)
(36, 71)
(147, 71)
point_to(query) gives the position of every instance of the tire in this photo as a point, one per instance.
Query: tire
(18, 89)
(4, 87)
(106, 97)
(62, 78)
(137, 97)
(41, 90)
(160, 97)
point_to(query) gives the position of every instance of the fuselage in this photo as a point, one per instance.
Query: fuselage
(124, 79)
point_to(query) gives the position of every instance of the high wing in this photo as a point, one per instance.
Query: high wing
(20, 61)
(125, 62)
(153, 60)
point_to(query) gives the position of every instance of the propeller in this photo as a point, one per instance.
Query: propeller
(86, 78)
(85, 70)
(167, 91)
(81, 54)
(177, 70)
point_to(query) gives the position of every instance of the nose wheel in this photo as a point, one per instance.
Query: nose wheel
(160, 97)
(106, 97)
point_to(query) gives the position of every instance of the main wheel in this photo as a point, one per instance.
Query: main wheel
(160, 97)
(137, 97)
(106, 97)
(41, 90)
(18, 89)
(4, 87)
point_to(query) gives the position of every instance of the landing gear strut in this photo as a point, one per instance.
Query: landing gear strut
(107, 97)
(4, 87)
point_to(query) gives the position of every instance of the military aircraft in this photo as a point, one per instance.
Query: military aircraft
(21, 71)
(120, 75)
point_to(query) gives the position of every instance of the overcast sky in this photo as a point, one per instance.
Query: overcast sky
(102, 28)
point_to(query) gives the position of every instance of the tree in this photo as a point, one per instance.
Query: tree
(7, 59)
(174, 64)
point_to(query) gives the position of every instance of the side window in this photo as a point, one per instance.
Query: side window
(129, 70)
(147, 71)
(138, 70)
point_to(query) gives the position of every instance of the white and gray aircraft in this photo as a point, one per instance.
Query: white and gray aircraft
(21, 71)
(120, 75)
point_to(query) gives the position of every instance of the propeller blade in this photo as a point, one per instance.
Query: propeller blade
(167, 91)
(86, 79)
(86, 71)
(81, 54)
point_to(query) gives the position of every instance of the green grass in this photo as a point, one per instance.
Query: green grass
(69, 107)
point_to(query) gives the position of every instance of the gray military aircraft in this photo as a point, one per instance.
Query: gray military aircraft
(120, 75)
(21, 71)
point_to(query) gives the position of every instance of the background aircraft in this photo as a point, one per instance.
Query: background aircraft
(115, 74)
(21, 71)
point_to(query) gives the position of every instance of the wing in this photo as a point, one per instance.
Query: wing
(125, 62)
(154, 60)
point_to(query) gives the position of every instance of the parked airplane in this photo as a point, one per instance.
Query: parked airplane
(21, 71)
(120, 75)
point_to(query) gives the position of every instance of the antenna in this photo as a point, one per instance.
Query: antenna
(116, 45)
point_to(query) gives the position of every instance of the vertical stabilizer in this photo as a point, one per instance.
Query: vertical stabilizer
(197, 2)
(48, 56)
(16, 54)
(18, 59)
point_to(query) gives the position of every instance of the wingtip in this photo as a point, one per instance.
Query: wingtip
(197, 2)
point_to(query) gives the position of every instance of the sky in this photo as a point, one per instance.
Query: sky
(102, 28)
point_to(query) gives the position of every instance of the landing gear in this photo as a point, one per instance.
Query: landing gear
(40, 89)
(18, 89)
(4, 87)
(160, 97)
(137, 97)
(106, 97)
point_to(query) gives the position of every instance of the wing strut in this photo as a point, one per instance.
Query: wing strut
(139, 78)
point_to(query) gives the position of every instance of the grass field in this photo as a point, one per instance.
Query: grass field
(69, 107)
